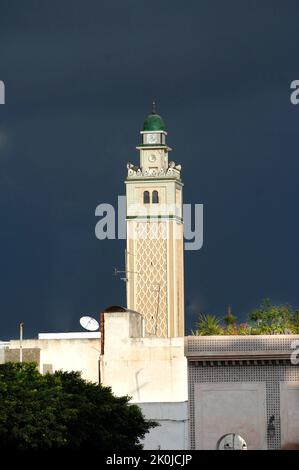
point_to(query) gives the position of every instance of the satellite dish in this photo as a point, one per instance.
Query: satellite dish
(89, 323)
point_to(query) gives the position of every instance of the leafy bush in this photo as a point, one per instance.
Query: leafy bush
(208, 325)
(267, 319)
(63, 411)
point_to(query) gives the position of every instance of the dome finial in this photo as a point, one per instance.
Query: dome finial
(153, 122)
(154, 107)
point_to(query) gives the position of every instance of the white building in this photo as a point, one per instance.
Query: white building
(152, 370)
(206, 392)
(243, 385)
(58, 351)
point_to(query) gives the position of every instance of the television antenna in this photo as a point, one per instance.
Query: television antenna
(89, 323)
(116, 271)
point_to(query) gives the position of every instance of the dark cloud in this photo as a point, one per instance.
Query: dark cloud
(79, 79)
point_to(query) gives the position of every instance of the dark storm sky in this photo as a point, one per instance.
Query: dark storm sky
(79, 80)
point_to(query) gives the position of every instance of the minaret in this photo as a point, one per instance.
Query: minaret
(154, 255)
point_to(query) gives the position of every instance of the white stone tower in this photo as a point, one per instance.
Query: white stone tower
(154, 255)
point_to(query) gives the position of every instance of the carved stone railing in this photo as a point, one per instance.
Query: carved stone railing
(173, 171)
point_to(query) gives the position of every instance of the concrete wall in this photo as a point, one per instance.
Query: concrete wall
(228, 407)
(29, 354)
(289, 412)
(66, 354)
(173, 430)
(2, 355)
(148, 369)
(3, 347)
(237, 384)
(153, 371)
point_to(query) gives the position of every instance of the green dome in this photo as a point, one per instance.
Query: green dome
(154, 122)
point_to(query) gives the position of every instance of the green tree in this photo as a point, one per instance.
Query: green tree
(208, 325)
(267, 319)
(273, 319)
(295, 321)
(62, 411)
(244, 329)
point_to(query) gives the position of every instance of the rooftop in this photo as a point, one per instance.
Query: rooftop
(74, 335)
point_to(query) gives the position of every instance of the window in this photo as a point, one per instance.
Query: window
(146, 197)
(155, 197)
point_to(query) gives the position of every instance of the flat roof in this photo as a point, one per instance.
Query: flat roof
(74, 335)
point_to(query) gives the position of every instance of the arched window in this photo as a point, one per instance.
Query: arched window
(146, 197)
(155, 197)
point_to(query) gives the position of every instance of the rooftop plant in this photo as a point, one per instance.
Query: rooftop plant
(267, 319)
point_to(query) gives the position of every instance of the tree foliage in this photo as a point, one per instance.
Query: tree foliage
(267, 319)
(271, 319)
(62, 411)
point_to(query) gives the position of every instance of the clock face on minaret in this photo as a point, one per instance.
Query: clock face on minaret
(152, 158)
(153, 138)
(155, 258)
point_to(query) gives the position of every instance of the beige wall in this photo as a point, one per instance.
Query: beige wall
(149, 369)
(223, 408)
(155, 266)
(173, 430)
(66, 354)
(153, 371)
(289, 412)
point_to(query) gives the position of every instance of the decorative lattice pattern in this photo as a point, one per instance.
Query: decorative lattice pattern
(240, 343)
(179, 287)
(271, 374)
(151, 280)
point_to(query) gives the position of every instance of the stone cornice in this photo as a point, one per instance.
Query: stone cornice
(227, 350)
(243, 358)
